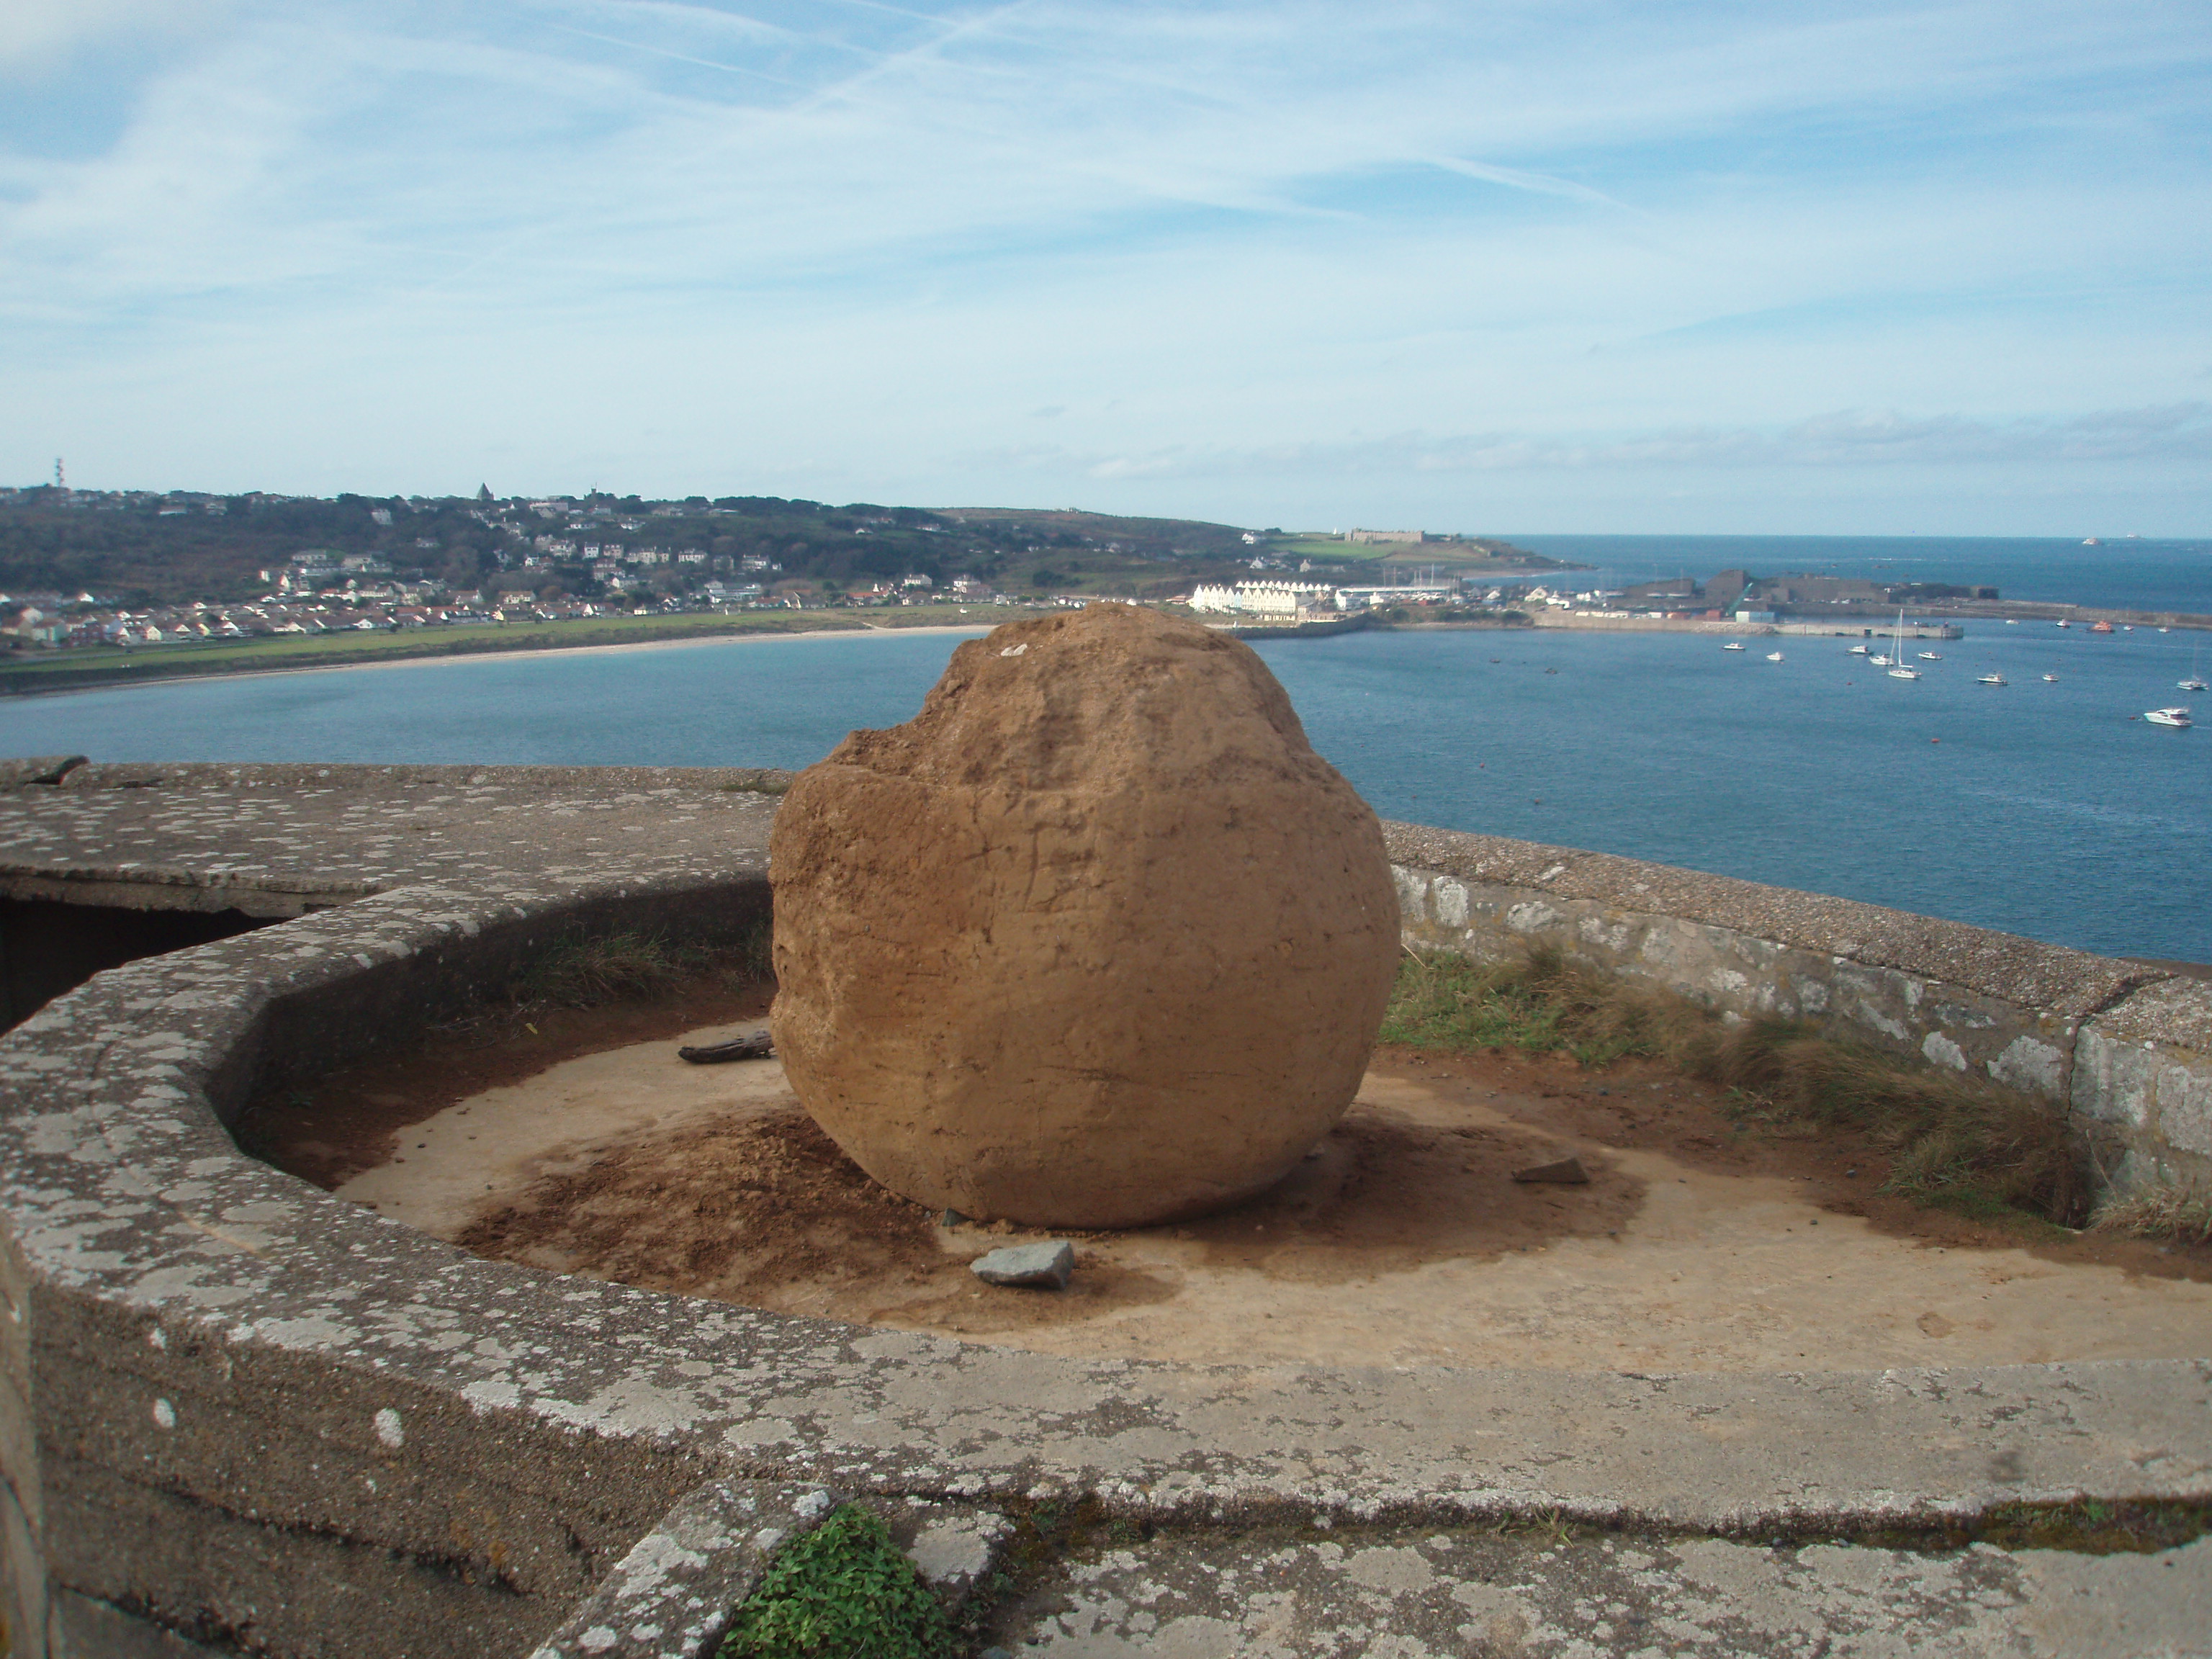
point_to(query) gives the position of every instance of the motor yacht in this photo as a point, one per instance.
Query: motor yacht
(1989, 679)
(2167, 716)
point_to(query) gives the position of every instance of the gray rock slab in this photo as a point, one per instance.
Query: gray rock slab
(1415, 1595)
(1048, 1266)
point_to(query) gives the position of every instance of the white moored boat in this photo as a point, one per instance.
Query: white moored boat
(1859, 650)
(1897, 655)
(1733, 645)
(1989, 679)
(2196, 680)
(2167, 716)
(1774, 656)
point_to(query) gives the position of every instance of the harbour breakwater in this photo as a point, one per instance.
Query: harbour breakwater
(1621, 621)
(1944, 623)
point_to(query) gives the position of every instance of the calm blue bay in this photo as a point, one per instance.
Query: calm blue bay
(2047, 810)
(2126, 574)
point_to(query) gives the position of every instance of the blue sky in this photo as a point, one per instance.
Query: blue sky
(1695, 267)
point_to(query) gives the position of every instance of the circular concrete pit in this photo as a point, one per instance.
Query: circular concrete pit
(1402, 1239)
(240, 1405)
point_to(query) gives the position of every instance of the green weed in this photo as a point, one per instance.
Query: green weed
(842, 1591)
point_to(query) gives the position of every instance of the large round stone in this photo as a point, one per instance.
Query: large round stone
(1094, 940)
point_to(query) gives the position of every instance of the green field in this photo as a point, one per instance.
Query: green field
(61, 670)
(1457, 556)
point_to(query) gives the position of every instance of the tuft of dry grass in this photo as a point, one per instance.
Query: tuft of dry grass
(2164, 1209)
(1541, 1003)
(1955, 1139)
(584, 971)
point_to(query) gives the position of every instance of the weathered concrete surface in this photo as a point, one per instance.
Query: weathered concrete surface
(85, 1629)
(671, 1595)
(278, 839)
(251, 1411)
(2002, 967)
(2144, 1071)
(2120, 1045)
(37, 768)
(1428, 1594)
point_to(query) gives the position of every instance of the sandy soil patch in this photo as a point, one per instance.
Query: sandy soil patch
(1401, 1240)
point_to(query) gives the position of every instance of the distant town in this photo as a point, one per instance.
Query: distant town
(116, 576)
(132, 569)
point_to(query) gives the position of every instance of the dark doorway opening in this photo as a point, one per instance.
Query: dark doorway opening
(47, 948)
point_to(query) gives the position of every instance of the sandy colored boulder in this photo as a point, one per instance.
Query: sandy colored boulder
(1094, 940)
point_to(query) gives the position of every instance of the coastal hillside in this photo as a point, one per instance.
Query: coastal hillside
(143, 547)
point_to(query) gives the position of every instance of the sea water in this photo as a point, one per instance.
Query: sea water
(2048, 809)
(2123, 574)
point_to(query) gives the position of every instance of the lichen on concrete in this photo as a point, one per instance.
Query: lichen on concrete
(251, 1411)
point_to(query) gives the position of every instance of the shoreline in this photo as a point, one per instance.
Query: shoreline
(1939, 623)
(414, 659)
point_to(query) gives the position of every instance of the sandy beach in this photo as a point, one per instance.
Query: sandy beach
(455, 659)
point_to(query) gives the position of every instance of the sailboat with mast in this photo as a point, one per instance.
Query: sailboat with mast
(1899, 672)
(2196, 682)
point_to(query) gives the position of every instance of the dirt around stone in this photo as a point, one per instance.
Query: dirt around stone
(766, 1210)
(1403, 1241)
(352, 1118)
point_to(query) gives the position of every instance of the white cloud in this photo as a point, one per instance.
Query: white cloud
(841, 240)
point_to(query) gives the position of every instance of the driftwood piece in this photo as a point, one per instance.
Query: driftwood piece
(758, 1046)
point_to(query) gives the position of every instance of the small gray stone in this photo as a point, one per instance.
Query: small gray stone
(1567, 1172)
(1046, 1266)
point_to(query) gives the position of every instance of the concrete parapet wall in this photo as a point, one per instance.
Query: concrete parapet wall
(2122, 1049)
(237, 1412)
(2143, 1072)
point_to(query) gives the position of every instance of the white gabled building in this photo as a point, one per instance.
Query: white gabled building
(1283, 599)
